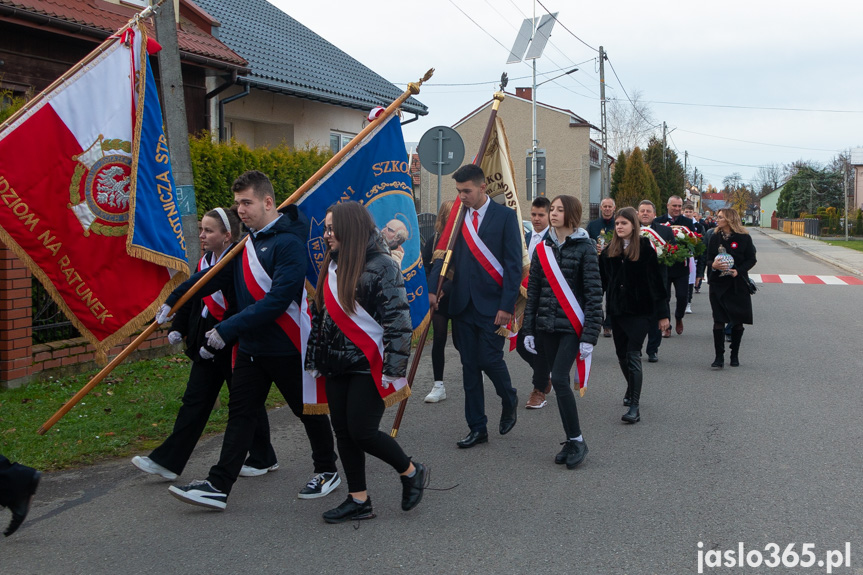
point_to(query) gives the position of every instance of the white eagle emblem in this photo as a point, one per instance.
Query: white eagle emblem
(112, 191)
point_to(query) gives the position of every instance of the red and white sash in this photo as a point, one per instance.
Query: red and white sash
(570, 306)
(482, 254)
(296, 321)
(363, 331)
(214, 303)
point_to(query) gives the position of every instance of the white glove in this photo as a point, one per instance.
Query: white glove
(386, 381)
(205, 354)
(214, 340)
(530, 344)
(162, 315)
(314, 374)
(586, 349)
(174, 337)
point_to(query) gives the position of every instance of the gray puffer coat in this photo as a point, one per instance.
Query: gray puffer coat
(577, 259)
(381, 292)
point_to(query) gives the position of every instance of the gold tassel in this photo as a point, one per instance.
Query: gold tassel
(397, 397)
(316, 409)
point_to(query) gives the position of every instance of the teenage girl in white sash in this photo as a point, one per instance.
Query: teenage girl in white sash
(360, 342)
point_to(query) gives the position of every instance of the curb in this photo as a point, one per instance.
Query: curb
(789, 240)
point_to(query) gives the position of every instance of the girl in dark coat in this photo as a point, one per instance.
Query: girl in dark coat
(730, 299)
(361, 299)
(636, 295)
(546, 323)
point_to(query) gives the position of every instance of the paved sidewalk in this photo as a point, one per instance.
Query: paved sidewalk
(841, 257)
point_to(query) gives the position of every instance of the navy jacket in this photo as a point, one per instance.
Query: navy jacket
(500, 231)
(282, 253)
(599, 226)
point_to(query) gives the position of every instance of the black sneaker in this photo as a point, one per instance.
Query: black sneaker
(349, 510)
(575, 453)
(560, 458)
(320, 485)
(200, 493)
(412, 487)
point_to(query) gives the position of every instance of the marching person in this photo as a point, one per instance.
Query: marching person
(730, 298)
(647, 219)
(678, 274)
(564, 279)
(697, 266)
(636, 297)
(597, 229)
(539, 209)
(360, 341)
(268, 282)
(487, 264)
(219, 230)
(18, 484)
(440, 316)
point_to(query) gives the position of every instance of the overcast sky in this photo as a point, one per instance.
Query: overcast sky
(708, 69)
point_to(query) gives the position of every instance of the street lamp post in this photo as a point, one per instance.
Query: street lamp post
(533, 179)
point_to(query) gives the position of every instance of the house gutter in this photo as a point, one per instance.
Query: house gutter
(228, 100)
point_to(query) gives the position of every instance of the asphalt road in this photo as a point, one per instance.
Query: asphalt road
(768, 452)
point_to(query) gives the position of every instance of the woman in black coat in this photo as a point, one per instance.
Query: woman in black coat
(636, 295)
(360, 299)
(730, 299)
(547, 325)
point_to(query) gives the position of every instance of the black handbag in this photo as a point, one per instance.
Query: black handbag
(752, 287)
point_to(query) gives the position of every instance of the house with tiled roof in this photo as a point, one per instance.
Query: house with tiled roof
(41, 39)
(300, 89)
(572, 159)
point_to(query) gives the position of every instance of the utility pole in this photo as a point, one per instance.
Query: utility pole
(664, 145)
(845, 191)
(605, 176)
(533, 178)
(177, 126)
(685, 161)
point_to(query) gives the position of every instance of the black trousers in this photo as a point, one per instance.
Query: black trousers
(481, 350)
(205, 383)
(561, 351)
(440, 322)
(356, 409)
(629, 332)
(251, 383)
(14, 481)
(537, 362)
(681, 292)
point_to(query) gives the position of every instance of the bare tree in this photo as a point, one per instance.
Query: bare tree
(629, 124)
(767, 179)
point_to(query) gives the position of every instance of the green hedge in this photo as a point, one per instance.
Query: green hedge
(217, 165)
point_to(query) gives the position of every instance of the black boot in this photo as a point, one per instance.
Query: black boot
(736, 336)
(633, 360)
(719, 347)
(624, 367)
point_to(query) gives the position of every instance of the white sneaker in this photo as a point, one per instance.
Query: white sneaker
(147, 465)
(249, 471)
(320, 485)
(689, 308)
(438, 393)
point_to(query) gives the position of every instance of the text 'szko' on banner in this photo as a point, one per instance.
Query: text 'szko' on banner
(87, 198)
(375, 174)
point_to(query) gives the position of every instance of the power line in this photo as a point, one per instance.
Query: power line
(759, 143)
(496, 81)
(478, 26)
(565, 28)
(727, 163)
(755, 107)
(634, 107)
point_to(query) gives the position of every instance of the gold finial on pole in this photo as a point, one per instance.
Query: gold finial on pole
(414, 87)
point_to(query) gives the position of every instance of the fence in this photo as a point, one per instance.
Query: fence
(30, 327)
(808, 227)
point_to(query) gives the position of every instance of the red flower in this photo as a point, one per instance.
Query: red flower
(733, 245)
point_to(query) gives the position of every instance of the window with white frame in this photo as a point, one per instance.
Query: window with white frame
(338, 140)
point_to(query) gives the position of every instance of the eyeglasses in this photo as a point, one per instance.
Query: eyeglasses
(328, 231)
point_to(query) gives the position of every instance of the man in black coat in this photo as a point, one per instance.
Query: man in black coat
(678, 274)
(647, 218)
(595, 228)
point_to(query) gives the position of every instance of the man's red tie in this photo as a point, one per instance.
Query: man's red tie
(475, 221)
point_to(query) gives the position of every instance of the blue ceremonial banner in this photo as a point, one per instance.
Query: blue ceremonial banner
(153, 200)
(375, 174)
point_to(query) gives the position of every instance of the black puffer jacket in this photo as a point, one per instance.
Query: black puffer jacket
(381, 292)
(634, 287)
(578, 263)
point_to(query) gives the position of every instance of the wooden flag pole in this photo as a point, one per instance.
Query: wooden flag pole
(498, 98)
(413, 88)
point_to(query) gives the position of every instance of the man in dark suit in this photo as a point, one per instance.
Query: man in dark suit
(647, 218)
(486, 279)
(539, 209)
(678, 274)
(599, 227)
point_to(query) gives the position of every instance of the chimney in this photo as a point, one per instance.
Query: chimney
(525, 93)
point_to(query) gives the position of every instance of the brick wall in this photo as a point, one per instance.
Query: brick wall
(22, 362)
